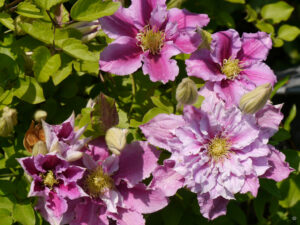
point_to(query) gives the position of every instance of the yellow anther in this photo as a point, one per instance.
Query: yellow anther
(218, 148)
(231, 68)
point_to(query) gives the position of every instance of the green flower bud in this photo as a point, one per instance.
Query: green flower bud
(116, 139)
(255, 100)
(89, 30)
(7, 121)
(186, 92)
(39, 148)
(40, 115)
(206, 39)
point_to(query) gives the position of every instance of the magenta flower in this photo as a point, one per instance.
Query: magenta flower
(233, 65)
(148, 32)
(63, 139)
(219, 150)
(55, 181)
(114, 187)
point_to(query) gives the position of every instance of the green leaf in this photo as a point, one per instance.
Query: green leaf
(5, 216)
(236, 214)
(224, 18)
(152, 113)
(291, 187)
(288, 32)
(29, 90)
(277, 12)
(48, 4)
(7, 21)
(278, 85)
(290, 118)
(172, 213)
(266, 27)
(281, 135)
(24, 214)
(88, 10)
(251, 14)
(28, 9)
(236, 1)
(64, 71)
(175, 3)
(2, 3)
(6, 187)
(6, 203)
(162, 103)
(270, 187)
(44, 65)
(277, 42)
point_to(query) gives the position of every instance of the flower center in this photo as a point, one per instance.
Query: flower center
(218, 147)
(231, 68)
(151, 39)
(49, 179)
(97, 182)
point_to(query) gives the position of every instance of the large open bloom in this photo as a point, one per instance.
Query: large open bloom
(148, 32)
(219, 150)
(55, 182)
(233, 65)
(114, 188)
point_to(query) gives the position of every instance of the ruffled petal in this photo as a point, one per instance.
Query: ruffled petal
(128, 217)
(158, 16)
(251, 185)
(122, 57)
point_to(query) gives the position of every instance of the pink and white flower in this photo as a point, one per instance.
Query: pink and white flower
(219, 151)
(147, 32)
(233, 65)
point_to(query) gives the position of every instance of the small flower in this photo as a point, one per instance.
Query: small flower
(233, 66)
(147, 32)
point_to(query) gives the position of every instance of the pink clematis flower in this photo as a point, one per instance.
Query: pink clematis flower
(55, 182)
(233, 65)
(219, 150)
(147, 32)
(114, 187)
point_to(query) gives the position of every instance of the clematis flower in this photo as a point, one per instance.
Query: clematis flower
(233, 65)
(55, 182)
(114, 187)
(147, 32)
(219, 150)
(64, 140)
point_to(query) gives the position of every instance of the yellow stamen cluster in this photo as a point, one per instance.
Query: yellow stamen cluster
(218, 148)
(97, 182)
(151, 39)
(49, 179)
(231, 68)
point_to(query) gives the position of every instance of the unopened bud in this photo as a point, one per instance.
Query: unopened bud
(206, 39)
(7, 121)
(186, 92)
(40, 115)
(255, 100)
(89, 30)
(34, 134)
(116, 139)
(73, 156)
(39, 148)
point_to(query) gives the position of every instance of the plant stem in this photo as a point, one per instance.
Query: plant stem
(133, 85)
(12, 4)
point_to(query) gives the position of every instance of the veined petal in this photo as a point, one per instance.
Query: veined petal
(158, 16)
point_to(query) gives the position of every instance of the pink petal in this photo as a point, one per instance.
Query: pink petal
(158, 16)
(279, 168)
(143, 200)
(98, 149)
(225, 44)
(71, 191)
(255, 46)
(128, 217)
(259, 73)
(122, 57)
(136, 163)
(56, 204)
(201, 65)
(251, 185)
(161, 129)
(160, 67)
(118, 25)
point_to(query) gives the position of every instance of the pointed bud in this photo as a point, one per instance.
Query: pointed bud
(255, 100)
(7, 121)
(73, 156)
(89, 30)
(116, 139)
(186, 92)
(40, 115)
(39, 148)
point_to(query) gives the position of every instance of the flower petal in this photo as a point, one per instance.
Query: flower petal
(121, 57)
(158, 16)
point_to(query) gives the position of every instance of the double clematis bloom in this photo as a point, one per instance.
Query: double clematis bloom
(55, 182)
(114, 187)
(233, 65)
(147, 32)
(64, 140)
(219, 150)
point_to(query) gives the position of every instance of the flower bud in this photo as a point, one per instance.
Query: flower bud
(7, 121)
(255, 100)
(206, 39)
(34, 134)
(39, 148)
(186, 92)
(40, 115)
(116, 139)
(89, 30)
(73, 156)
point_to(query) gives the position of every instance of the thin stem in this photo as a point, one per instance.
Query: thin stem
(12, 4)
(8, 175)
(133, 85)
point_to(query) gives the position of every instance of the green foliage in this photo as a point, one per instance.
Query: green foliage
(277, 12)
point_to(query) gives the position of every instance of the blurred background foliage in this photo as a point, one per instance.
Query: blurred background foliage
(48, 63)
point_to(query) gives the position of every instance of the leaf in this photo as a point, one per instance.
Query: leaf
(281, 135)
(290, 118)
(28, 9)
(236, 214)
(291, 187)
(7, 21)
(88, 10)
(152, 113)
(224, 18)
(6, 187)
(266, 27)
(64, 71)
(29, 90)
(270, 187)
(236, 1)
(162, 104)
(278, 85)
(44, 65)
(172, 213)
(5, 216)
(277, 42)
(251, 14)
(288, 32)
(48, 4)
(24, 214)
(2, 3)
(175, 3)
(277, 12)
(6, 203)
